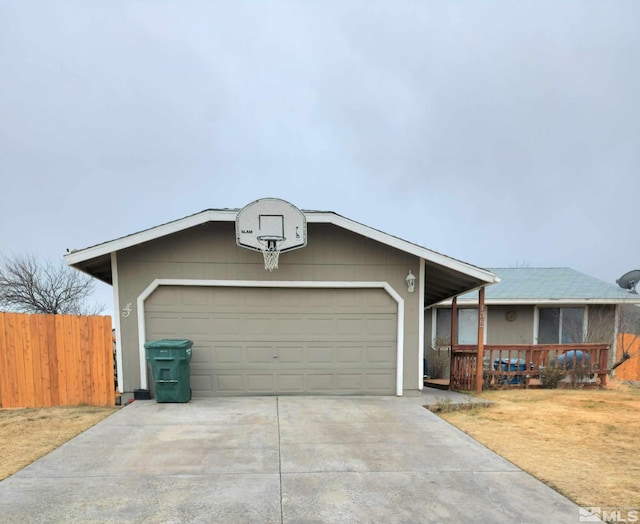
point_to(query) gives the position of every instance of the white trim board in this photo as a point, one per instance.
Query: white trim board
(421, 288)
(272, 284)
(116, 322)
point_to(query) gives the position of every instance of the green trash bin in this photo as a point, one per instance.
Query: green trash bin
(169, 360)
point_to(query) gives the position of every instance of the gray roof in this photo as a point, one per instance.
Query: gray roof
(542, 284)
(448, 277)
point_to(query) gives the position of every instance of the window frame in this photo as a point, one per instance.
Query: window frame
(434, 325)
(536, 321)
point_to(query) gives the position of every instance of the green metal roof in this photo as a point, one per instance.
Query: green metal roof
(541, 284)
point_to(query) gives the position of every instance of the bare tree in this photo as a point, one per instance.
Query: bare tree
(28, 285)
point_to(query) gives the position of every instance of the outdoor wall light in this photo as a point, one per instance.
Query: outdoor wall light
(411, 282)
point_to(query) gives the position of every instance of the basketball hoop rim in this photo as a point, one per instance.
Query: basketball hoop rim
(270, 242)
(270, 237)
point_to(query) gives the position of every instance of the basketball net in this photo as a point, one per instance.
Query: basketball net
(271, 253)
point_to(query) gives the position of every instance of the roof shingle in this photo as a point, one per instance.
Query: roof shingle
(557, 283)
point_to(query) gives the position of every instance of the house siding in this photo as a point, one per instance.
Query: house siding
(502, 331)
(209, 252)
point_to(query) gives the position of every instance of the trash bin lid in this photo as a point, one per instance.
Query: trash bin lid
(169, 343)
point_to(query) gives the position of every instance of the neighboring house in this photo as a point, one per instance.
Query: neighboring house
(535, 306)
(336, 317)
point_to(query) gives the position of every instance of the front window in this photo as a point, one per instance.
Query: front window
(443, 328)
(467, 327)
(561, 325)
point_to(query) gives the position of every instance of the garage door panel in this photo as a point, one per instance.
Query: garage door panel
(326, 340)
(201, 385)
(321, 355)
(290, 382)
(262, 327)
(289, 326)
(223, 297)
(227, 326)
(379, 382)
(322, 299)
(232, 384)
(350, 382)
(258, 300)
(290, 355)
(320, 382)
(195, 326)
(163, 326)
(260, 383)
(380, 302)
(351, 326)
(350, 354)
(320, 326)
(201, 355)
(380, 327)
(258, 355)
(225, 355)
(195, 299)
(381, 354)
(347, 298)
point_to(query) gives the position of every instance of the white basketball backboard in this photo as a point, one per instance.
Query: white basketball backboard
(271, 220)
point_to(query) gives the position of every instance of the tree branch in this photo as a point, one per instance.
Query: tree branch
(28, 285)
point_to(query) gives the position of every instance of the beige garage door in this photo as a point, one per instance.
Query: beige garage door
(253, 341)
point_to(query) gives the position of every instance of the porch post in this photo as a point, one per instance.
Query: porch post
(480, 356)
(454, 336)
(454, 322)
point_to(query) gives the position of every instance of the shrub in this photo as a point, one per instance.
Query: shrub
(551, 376)
(439, 363)
(579, 375)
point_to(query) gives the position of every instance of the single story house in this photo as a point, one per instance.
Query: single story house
(534, 306)
(342, 314)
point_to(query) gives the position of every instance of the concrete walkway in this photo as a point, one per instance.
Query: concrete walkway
(277, 459)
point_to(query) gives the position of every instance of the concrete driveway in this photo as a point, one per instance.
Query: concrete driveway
(277, 459)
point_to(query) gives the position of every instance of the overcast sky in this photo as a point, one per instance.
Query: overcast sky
(499, 133)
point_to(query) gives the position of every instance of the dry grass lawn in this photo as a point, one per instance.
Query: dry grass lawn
(28, 434)
(583, 443)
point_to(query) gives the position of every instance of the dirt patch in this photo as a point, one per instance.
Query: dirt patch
(583, 443)
(28, 434)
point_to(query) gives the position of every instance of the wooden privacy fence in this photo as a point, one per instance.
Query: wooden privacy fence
(55, 360)
(521, 364)
(629, 370)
